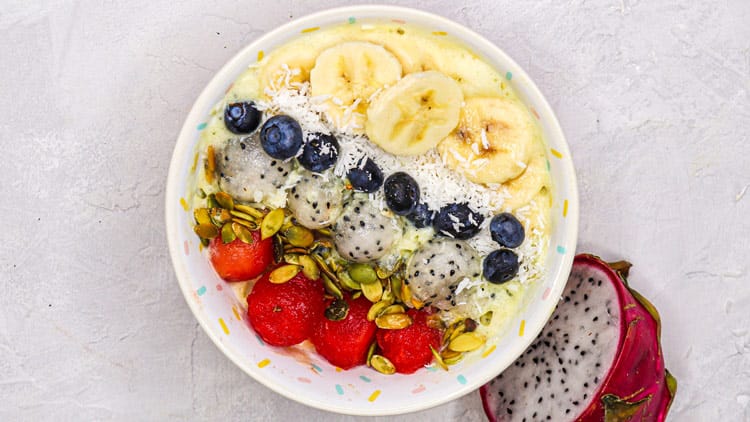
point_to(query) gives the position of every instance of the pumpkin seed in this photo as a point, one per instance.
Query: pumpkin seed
(309, 267)
(271, 223)
(438, 358)
(227, 234)
(284, 273)
(243, 216)
(337, 310)
(460, 328)
(418, 304)
(278, 249)
(250, 225)
(211, 201)
(373, 291)
(299, 236)
(466, 342)
(455, 360)
(355, 295)
(210, 166)
(324, 267)
(406, 294)
(346, 281)
(382, 273)
(324, 243)
(332, 288)
(452, 331)
(393, 321)
(370, 352)
(325, 232)
(334, 267)
(396, 283)
(219, 216)
(382, 365)
(387, 292)
(449, 354)
(248, 210)
(287, 223)
(363, 273)
(376, 309)
(291, 259)
(486, 318)
(294, 249)
(394, 309)
(206, 231)
(201, 216)
(243, 233)
(225, 200)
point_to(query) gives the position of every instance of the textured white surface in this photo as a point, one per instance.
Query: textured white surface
(653, 96)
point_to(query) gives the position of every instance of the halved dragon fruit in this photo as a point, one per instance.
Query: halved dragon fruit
(598, 358)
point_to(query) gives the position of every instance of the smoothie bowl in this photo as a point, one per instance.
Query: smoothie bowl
(371, 210)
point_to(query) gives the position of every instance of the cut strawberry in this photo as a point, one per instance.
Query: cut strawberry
(344, 343)
(285, 314)
(240, 261)
(409, 348)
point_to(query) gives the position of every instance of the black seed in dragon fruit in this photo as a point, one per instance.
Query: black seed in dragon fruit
(363, 233)
(434, 271)
(246, 172)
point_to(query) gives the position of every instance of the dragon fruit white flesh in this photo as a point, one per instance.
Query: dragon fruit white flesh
(246, 172)
(598, 358)
(435, 270)
(363, 233)
(316, 200)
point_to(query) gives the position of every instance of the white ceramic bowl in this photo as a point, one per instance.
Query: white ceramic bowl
(308, 378)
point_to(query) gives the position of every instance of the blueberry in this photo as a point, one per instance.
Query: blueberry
(457, 221)
(281, 137)
(320, 152)
(506, 230)
(366, 177)
(421, 216)
(500, 266)
(242, 118)
(401, 193)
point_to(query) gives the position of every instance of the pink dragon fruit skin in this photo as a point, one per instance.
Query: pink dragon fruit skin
(637, 387)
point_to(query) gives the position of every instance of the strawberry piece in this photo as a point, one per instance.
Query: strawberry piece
(409, 348)
(285, 314)
(240, 261)
(344, 343)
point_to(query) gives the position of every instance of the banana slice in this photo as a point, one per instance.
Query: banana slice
(412, 116)
(521, 190)
(350, 73)
(493, 141)
(421, 53)
(289, 65)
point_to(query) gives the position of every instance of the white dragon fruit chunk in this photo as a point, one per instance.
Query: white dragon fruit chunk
(434, 271)
(363, 233)
(246, 172)
(316, 201)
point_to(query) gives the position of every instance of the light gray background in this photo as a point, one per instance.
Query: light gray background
(653, 96)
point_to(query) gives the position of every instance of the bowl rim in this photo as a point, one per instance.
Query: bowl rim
(459, 32)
